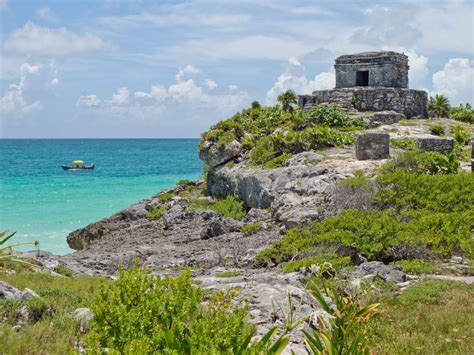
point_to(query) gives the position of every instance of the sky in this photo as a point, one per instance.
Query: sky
(171, 69)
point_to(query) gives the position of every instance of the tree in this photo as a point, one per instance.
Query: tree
(286, 99)
(256, 104)
(439, 106)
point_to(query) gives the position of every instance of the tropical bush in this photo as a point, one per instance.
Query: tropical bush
(228, 207)
(463, 113)
(422, 162)
(461, 135)
(403, 143)
(142, 314)
(6, 250)
(417, 266)
(339, 332)
(437, 129)
(250, 228)
(271, 132)
(156, 212)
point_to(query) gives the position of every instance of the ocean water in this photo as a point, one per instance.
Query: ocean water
(41, 201)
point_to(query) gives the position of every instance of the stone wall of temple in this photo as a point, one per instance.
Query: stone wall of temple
(411, 103)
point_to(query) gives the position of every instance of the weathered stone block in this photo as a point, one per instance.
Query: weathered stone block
(442, 145)
(372, 145)
(383, 118)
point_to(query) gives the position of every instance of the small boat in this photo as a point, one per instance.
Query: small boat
(78, 165)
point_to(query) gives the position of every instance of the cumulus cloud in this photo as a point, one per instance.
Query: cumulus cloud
(181, 101)
(14, 100)
(294, 78)
(34, 39)
(46, 14)
(418, 71)
(456, 81)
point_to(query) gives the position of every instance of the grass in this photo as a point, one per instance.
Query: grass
(55, 331)
(225, 274)
(250, 228)
(434, 317)
(156, 212)
(418, 267)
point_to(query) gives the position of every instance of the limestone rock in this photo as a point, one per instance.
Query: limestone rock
(442, 145)
(383, 118)
(218, 226)
(371, 269)
(26, 294)
(82, 313)
(214, 154)
(9, 292)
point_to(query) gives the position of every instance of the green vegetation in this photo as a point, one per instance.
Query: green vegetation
(228, 207)
(279, 161)
(270, 132)
(63, 270)
(225, 274)
(339, 333)
(286, 99)
(422, 207)
(183, 182)
(165, 197)
(461, 135)
(422, 162)
(437, 129)
(439, 106)
(403, 143)
(50, 330)
(156, 212)
(417, 266)
(434, 317)
(463, 113)
(6, 250)
(142, 314)
(250, 228)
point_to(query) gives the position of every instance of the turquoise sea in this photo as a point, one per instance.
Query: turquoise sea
(42, 202)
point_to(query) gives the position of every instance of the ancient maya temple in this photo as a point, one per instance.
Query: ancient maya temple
(371, 82)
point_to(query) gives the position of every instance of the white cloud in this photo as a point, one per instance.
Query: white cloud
(181, 101)
(456, 81)
(188, 69)
(121, 97)
(89, 101)
(418, 71)
(14, 100)
(211, 84)
(3, 5)
(46, 14)
(294, 78)
(34, 39)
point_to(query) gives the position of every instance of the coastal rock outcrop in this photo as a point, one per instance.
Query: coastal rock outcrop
(215, 154)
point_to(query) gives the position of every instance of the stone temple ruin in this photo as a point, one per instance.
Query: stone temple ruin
(372, 82)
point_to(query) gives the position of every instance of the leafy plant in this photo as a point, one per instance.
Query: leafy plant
(437, 129)
(333, 116)
(156, 212)
(463, 113)
(279, 161)
(139, 313)
(230, 207)
(250, 228)
(417, 266)
(439, 106)
(165, 197)
(338, 332)
(403, 143)
(422, 162)
(6, 250)
(461, 135)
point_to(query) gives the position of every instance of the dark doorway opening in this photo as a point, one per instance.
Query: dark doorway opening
(362, 78)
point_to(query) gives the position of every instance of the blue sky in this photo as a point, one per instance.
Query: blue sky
(116, 68)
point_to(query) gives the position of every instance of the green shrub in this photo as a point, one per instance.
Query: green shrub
(419, 161)
(183, 182)
(463, 113)
(263, 152)
(435, 193)
(139, 313)
(250, 228)
(333, 116)
(437, 129)
(279, 161)
(156, 212)
(417, 266)
(461, 135)
(63, 270)
(165, 197)
(225, 274)
(403, 143)
(230, 207)
(324, 136)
